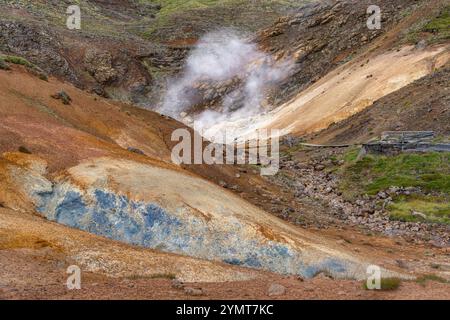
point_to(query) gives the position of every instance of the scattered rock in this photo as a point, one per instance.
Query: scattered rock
(100, 91)
(382, 195)
(323, 275)
(193, 291)
(4, 65)
(222, 183)
(22, 149)
(437, 243)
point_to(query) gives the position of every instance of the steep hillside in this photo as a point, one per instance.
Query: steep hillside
(125, 49)
(86, 170)
(422, 105)
(95, 184)
(353, 84)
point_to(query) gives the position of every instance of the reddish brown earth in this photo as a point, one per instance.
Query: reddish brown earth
(35, 253)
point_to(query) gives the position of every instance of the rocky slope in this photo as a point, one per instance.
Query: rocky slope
(97, 185)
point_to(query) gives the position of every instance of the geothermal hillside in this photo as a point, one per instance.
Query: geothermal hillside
(87, 176)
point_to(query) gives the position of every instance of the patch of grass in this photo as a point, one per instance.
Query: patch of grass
(351, 155)
(386, 284)
(3, 64)
(430, 277)
(11, 240)
(373, 173)
(289, 152)
(438, 27)
(440, 24)
(32, 68)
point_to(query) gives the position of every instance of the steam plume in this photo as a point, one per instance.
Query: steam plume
(221, 56)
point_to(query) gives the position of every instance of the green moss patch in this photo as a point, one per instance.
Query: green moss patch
(430, 277)
(386, 284)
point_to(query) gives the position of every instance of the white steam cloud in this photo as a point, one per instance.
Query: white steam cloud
(218, 57)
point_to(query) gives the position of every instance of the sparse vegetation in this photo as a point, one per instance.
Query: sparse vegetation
(23, 149)
(43, 76)
(235, 16)
(387, 284)
(63, 96)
